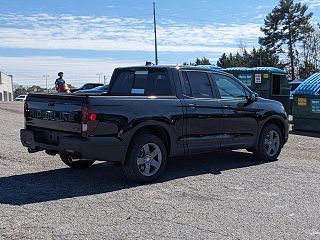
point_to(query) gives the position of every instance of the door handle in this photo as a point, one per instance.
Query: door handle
(192, 105)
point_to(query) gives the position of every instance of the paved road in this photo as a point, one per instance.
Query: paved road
(217, 196)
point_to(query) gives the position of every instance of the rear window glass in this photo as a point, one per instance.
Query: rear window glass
(145, 83)
(197, 84)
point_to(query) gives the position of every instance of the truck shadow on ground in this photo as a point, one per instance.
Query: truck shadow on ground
(103, 178)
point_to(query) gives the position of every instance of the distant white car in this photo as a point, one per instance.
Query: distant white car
(21, 98)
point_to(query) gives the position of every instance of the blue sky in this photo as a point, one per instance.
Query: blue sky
(84, 38)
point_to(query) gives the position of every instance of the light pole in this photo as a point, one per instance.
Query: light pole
(99, 74)
(105, 79)
(155, 34)
(46, 76)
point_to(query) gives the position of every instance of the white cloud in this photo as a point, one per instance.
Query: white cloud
(103, 33)
(260, 16)
(44, 31)
(259, 7)
(312, 3)
(30, 70)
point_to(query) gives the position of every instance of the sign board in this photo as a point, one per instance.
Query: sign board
(302, 102)
(257, 78)
(245, 78)
(137, 91)
(315, 105)
(266, 75)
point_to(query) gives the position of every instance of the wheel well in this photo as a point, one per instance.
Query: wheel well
(158, 131)
(278, 123)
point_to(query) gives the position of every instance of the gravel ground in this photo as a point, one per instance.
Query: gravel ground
(217, 196)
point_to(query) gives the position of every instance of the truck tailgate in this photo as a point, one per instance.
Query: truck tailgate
(60, 112)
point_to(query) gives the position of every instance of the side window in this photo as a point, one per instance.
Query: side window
(88, 86)
(186, 84)
(158, 84)
(197, 84)
(144, 83)
(229, 88)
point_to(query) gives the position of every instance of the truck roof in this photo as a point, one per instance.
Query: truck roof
(186, 67)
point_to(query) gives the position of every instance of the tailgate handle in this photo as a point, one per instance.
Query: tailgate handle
(50, 104)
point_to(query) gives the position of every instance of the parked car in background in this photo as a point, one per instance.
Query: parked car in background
(21, 98)
(100, 89)
(86, 86)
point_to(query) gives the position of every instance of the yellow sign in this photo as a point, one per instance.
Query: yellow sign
(266, 75)
(302, 102)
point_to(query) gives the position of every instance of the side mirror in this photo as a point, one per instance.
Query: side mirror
(253, 97)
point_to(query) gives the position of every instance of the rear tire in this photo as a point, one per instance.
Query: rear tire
(76, 164)
(270, 143)
(146, 159)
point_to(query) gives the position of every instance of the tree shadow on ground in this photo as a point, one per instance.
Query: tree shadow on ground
(103, 178)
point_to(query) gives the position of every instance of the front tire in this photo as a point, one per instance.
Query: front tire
(76, 164)
(146, 159)
(270, 143)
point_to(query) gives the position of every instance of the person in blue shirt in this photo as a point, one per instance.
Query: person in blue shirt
(61, 85)
(59, 81)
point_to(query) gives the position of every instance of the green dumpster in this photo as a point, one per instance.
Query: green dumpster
(268, 82)
(306, 105)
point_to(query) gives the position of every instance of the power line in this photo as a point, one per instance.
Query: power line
(99, 74)
(46, 77)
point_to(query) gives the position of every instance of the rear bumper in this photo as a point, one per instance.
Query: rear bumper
(286, 131)
(93, 148)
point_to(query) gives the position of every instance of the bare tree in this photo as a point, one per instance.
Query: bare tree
(309, 56)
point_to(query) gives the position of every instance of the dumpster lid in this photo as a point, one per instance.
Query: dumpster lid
(257, 69)
(311, 86)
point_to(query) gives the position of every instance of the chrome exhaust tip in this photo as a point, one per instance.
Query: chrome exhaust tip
(30, 150)
(70, 159)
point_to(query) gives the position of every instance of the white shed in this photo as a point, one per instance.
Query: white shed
(6, 87)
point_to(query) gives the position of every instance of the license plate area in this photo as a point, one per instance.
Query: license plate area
(47, 137)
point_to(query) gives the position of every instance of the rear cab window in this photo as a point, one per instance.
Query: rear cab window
(141, 82)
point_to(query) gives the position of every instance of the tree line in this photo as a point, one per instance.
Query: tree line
(289, 41)
(23, 90)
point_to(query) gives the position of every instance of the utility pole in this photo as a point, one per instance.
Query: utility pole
(155, 33)
(46, 76)
(99, 74)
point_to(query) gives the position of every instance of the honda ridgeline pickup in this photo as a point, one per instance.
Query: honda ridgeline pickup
(152, 113)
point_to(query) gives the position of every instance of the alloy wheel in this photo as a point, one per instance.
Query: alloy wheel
(272, 143)
(149, 159)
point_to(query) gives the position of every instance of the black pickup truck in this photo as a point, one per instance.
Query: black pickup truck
(152, 113)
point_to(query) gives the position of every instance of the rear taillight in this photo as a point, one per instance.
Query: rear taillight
(92, 116)
(89, 121)
(84, 114)
(25, 109)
